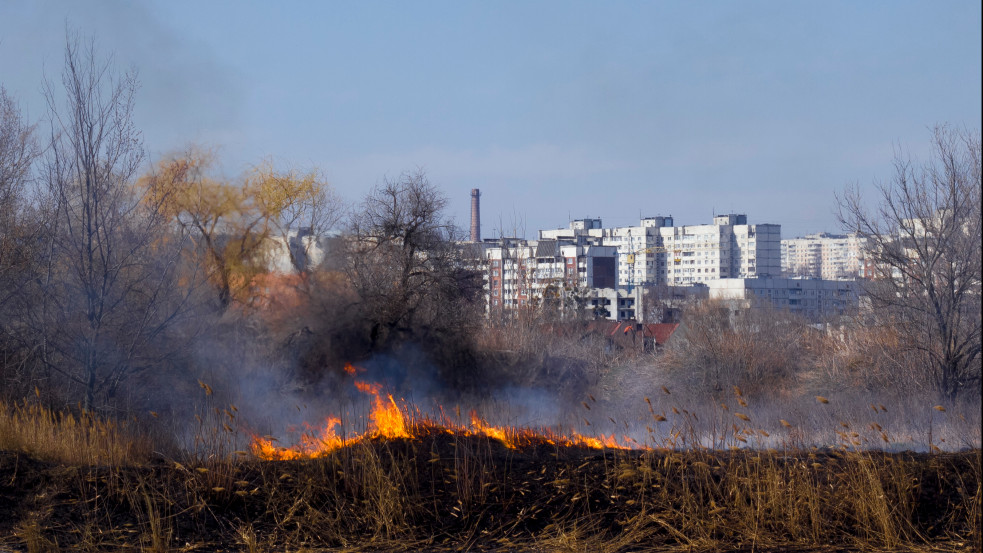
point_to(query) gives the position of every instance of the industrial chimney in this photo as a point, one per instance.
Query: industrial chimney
(475, 215)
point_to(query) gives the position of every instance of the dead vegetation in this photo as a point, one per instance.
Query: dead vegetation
(443, 490)
(171, 291)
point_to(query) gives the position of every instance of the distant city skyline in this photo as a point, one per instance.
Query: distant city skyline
(555, 110)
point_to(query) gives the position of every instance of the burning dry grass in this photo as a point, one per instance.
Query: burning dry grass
(446, 489)
(735, 422)
(389, 419)
(440, 491)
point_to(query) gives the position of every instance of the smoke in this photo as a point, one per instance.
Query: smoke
(795, 416)
(638, 400)
(187, 93)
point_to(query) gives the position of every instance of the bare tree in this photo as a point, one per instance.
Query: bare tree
(106, 293)
(18, 150)
(404, 263)
(758, 348)
(924, 243)
(19, 241)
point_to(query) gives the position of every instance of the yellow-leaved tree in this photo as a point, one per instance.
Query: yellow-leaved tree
(243, 229)
(302, 209)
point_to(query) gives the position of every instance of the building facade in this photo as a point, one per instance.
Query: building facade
(823, 255)
(814, 299)
(656, 252)
(527, 273)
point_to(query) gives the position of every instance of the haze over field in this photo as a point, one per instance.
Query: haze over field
(553, 109)
(236, 313)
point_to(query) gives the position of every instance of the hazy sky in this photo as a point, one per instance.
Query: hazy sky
(553, 109)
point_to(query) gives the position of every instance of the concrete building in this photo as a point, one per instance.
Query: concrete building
(728, 248)
(814, 299)
(617, 304)
(613, 266)
(655, 252)
(523, 273)
(298, 250)
(824, 255)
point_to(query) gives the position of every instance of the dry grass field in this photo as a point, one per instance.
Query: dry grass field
(71, 483)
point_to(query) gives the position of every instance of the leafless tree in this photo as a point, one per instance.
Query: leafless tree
(924, 242)
(405, 265)
(105, 297)
(758, 348)
(20, 232)
(18, 150)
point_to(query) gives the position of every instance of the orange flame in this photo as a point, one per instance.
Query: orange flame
(481, 427)
(389, 421)
(599, 442)
(326, 439)
(352, 369)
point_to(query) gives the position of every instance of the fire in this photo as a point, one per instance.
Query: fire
(481, 427)
(600, 442)
(312, 443)
(388, 420)
(325, 439)
(352, 369)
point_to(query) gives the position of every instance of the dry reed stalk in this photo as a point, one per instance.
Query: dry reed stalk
(70, 439)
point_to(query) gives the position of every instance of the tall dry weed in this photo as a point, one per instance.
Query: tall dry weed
(70, 439)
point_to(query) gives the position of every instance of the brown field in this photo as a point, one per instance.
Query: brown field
(79, 484)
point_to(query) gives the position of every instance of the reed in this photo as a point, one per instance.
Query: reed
(717, 480)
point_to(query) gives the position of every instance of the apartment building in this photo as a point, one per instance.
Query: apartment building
(814, 299)
(655, 252)
(728, 248)
(617, 304)
(525, 272)
(824, 255)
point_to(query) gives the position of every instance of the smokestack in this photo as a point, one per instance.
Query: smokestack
(475, 215)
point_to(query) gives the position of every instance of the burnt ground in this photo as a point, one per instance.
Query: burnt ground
(447, 492)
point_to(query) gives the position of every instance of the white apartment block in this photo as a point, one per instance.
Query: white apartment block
(814, 299)
(617, 304)
(823, 255)
(665, 254)
(615, 263)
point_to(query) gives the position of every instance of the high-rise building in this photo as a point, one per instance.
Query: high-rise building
(615, 263)
(522, 273)
(824, 255)
(657, 252)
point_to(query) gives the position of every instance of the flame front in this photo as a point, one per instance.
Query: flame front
(480, 427)
(387, 420)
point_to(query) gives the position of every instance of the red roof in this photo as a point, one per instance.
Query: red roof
(660, 331)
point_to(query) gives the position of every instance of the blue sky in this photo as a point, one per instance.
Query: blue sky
(553, 109)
